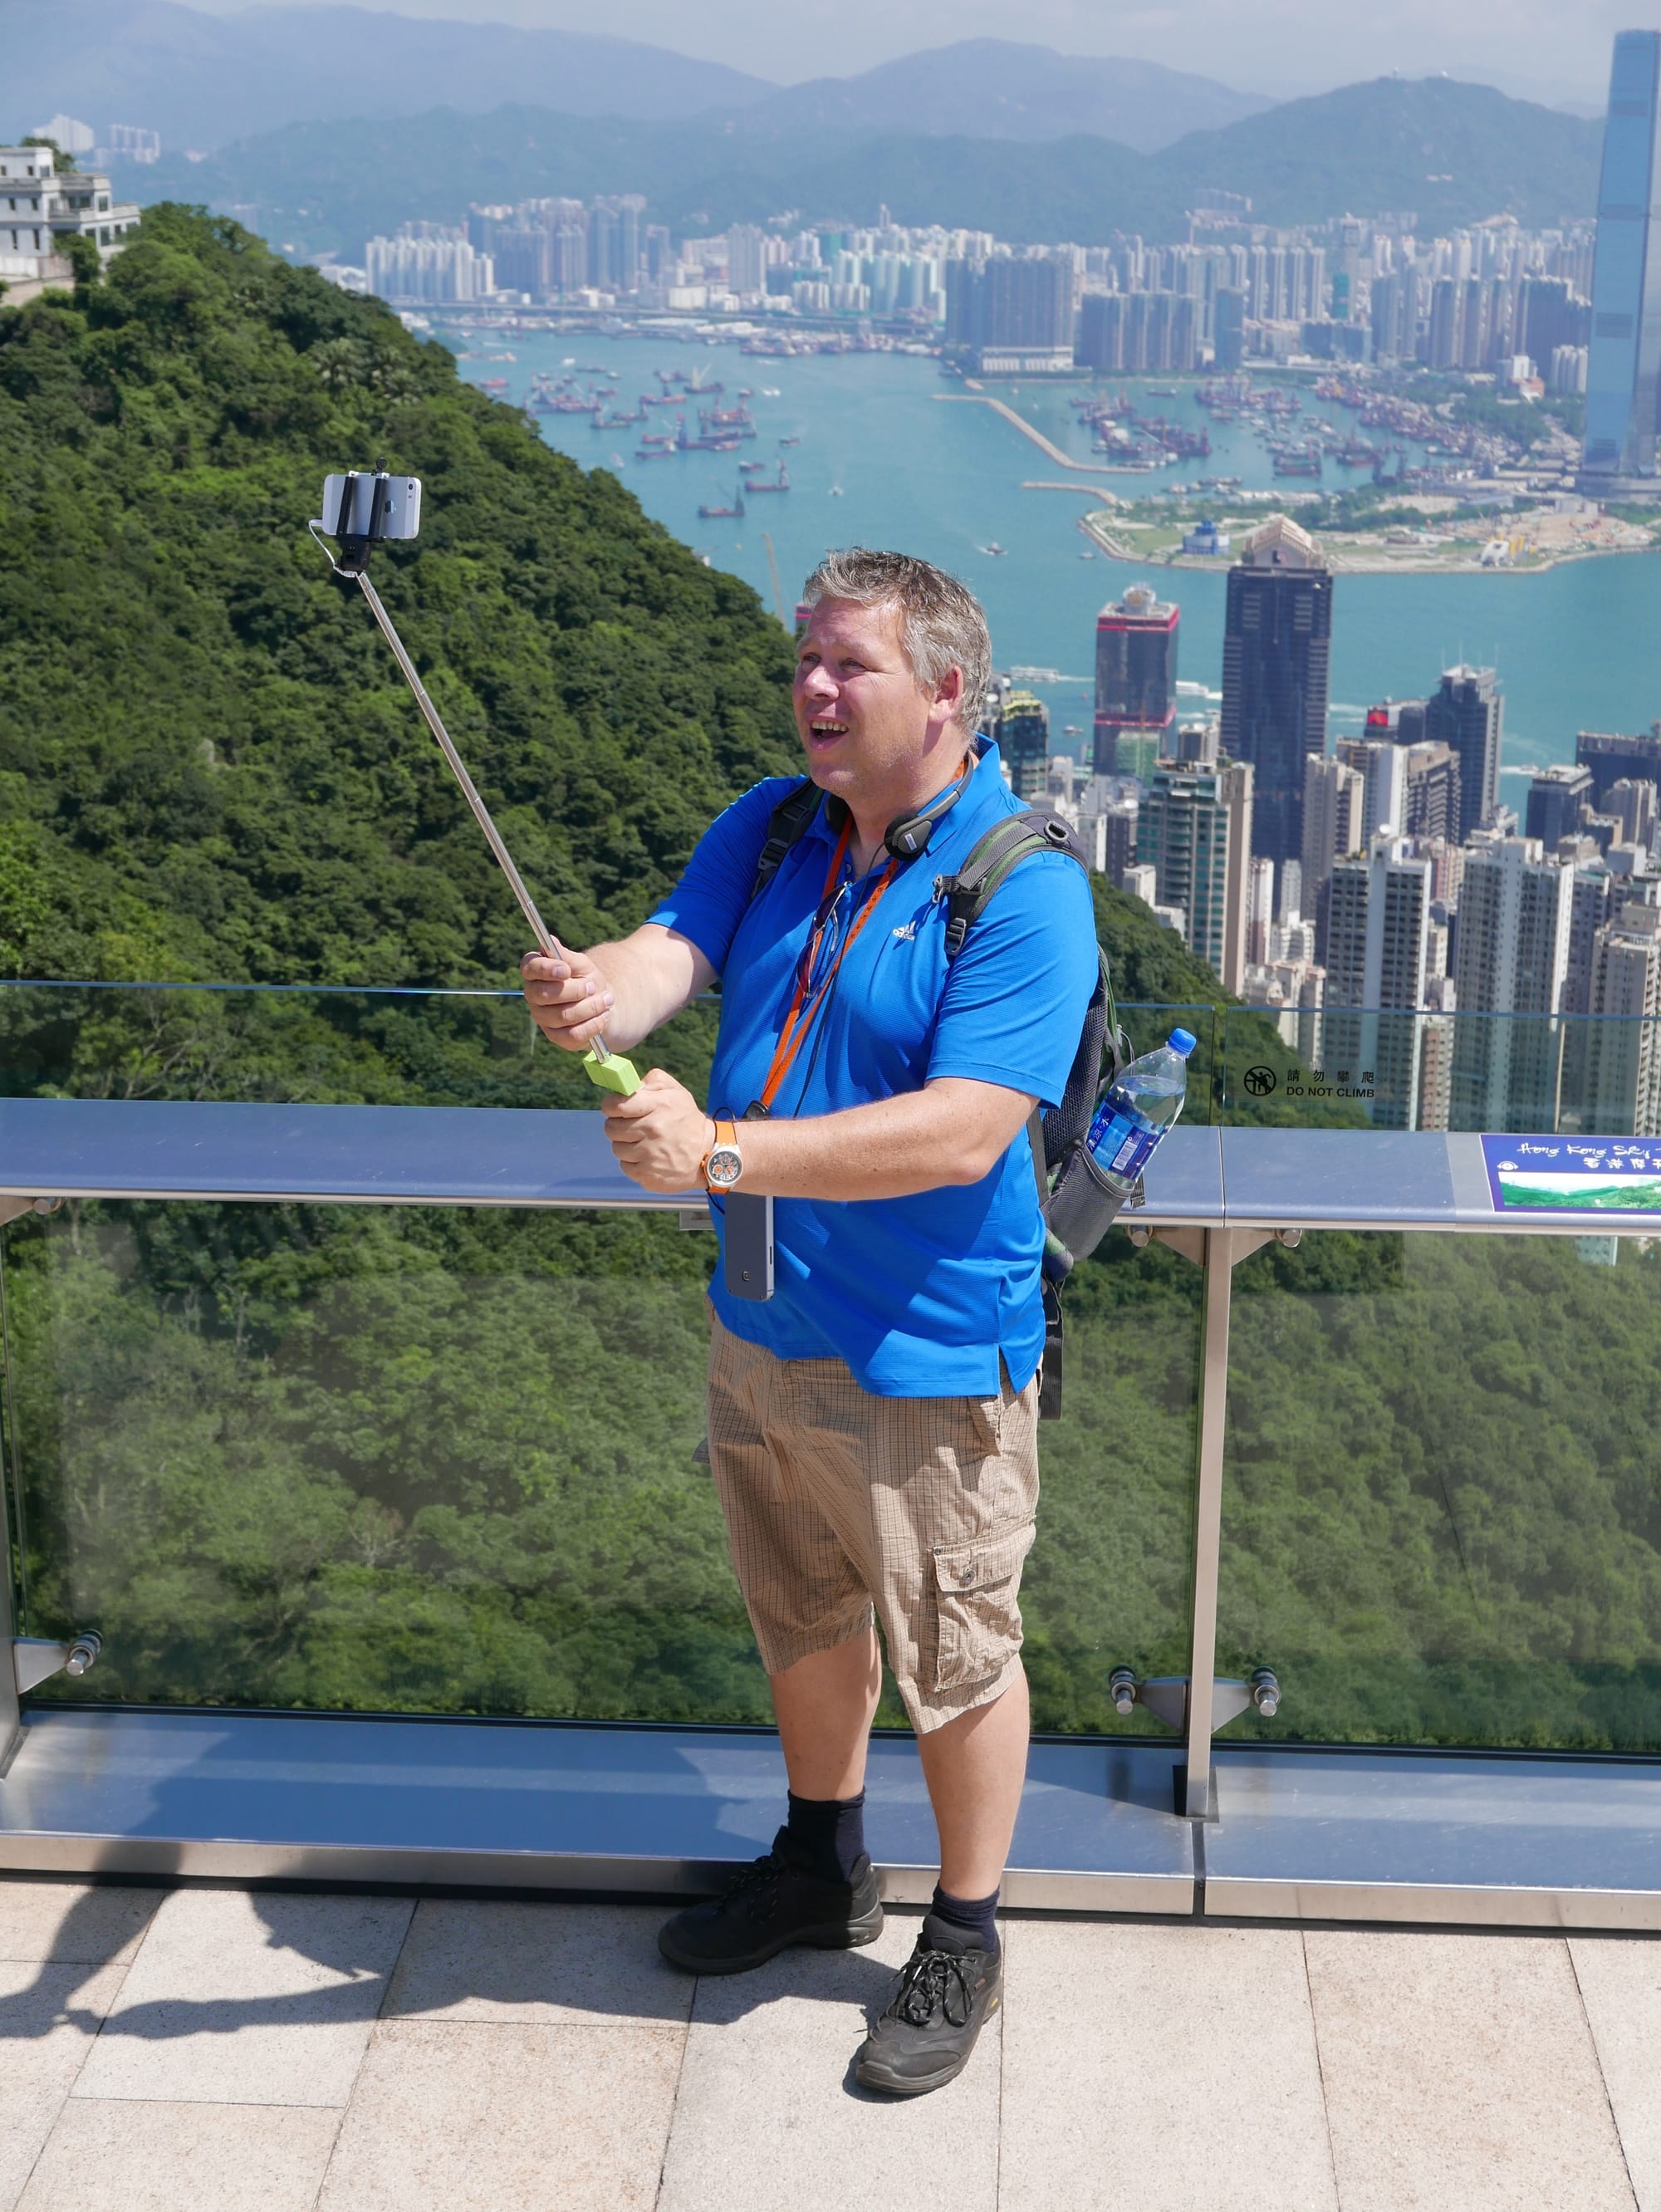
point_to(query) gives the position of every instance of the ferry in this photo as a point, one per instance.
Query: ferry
(995, 548)
(835, 492)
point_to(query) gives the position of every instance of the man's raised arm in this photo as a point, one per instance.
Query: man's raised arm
(622, 991)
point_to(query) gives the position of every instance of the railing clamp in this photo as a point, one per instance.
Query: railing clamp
(34, 1659)
(10, 1208)
(1189, 1240)
(1166, 1696)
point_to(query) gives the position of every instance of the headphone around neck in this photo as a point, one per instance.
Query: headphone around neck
(908, 835)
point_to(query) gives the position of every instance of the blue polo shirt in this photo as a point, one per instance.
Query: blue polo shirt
(918, 1295)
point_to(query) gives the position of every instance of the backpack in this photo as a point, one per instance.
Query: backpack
(1076, 1206)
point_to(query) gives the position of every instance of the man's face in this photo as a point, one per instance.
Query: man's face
(865, 724)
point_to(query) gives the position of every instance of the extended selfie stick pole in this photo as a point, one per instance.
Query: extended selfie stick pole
(606, 1068)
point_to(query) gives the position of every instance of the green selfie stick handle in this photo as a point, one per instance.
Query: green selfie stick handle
(607, 1069)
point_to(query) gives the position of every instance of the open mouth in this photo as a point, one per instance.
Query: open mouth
(824, 732)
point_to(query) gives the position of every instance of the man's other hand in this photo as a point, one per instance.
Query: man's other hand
(569, 999)
(660, 1135)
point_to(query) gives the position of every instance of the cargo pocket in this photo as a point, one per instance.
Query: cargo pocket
(977, 1588)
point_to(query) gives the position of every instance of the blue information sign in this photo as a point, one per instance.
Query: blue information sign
(1573, 1175)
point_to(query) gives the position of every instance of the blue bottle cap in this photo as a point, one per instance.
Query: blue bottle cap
(1183, 1041)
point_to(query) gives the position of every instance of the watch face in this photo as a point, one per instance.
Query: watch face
(724, 1167)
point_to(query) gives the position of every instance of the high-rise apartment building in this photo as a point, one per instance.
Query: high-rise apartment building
(1278, 642)
(1012, 311)
(1377, 961)
(1467, 714)
(1623, 1044)
(1136, 672)
(1511, 964)
(1431, 791)
(1194, 827)
(1381, 764)
(1334, 795)
(1623, 376)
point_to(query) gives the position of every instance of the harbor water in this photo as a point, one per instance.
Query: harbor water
(887, 453)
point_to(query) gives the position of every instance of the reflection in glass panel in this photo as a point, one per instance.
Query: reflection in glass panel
(443, 1461)
(1573, 1075)
(1441, 1518)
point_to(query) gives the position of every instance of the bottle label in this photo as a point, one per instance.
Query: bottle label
(1124, 1144)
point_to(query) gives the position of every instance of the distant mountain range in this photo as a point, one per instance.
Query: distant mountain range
(204, 80)
(1449, 152)
(993, 88)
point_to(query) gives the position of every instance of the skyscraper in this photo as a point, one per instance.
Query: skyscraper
(1378, 945)
(1022, 732)
(1554, 799)
(1277, 642)
(1623, 377)
(1334, 794)
(1468, 713)
(1624, 1080)
(1515, 912)
(1195, 828)
(1136, 672)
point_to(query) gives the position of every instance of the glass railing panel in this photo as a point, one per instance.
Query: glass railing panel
(1148, 1022)
(1441, 1523)
(386, 1459)
(304, 1046)
(1571, 1075)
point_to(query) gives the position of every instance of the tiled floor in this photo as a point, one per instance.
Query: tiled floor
(208, 2051)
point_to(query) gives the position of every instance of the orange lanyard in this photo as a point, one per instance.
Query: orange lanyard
(802, 1007)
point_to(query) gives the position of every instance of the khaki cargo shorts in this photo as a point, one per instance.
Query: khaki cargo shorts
(839, 1502)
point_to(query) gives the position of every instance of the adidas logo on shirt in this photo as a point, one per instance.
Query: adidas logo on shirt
(907, 930)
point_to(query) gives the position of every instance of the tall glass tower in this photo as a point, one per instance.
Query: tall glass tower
(1623, 378)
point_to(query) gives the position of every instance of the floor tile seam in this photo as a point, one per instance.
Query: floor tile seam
(240, 2104)
(675, 2101)
(416, 1904)
(680, 2027)
(1603, 2076)
(1320, 2068)
(23, 2185)
(92, 2041)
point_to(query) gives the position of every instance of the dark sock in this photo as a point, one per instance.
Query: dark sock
(971, 1920)
(828, 1833)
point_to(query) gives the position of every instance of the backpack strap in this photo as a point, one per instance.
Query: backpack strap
(789, 821)
(1003, 848)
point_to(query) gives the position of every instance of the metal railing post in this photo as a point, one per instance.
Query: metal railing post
(1199, 1796)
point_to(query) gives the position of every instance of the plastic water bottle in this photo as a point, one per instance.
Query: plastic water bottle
(1138, 1109)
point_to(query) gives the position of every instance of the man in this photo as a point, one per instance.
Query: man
(872, 1427)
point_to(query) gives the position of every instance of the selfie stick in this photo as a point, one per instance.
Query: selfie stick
(608, 1069)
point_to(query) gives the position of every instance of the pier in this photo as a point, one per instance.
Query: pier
(1046, 446)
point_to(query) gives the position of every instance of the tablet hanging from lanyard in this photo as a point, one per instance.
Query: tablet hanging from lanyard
(748, 1216)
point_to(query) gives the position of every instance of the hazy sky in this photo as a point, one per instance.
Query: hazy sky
(1555, 50)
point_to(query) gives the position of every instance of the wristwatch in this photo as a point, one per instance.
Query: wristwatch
(722, 1164)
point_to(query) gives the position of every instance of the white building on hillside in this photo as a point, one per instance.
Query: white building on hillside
(41, 210)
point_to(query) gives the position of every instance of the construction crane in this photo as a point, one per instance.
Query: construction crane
(772, 570)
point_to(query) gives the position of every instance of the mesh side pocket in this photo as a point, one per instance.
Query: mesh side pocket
(1084, 1205)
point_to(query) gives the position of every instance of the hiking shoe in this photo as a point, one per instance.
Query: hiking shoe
(772, 1904)
(925, 2034)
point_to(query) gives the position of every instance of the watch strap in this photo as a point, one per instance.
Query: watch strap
(726, 1133)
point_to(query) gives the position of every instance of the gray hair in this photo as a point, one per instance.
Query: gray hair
(941, 625)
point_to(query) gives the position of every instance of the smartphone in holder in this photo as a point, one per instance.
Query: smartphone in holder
(369, 504)
(749, 1245)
